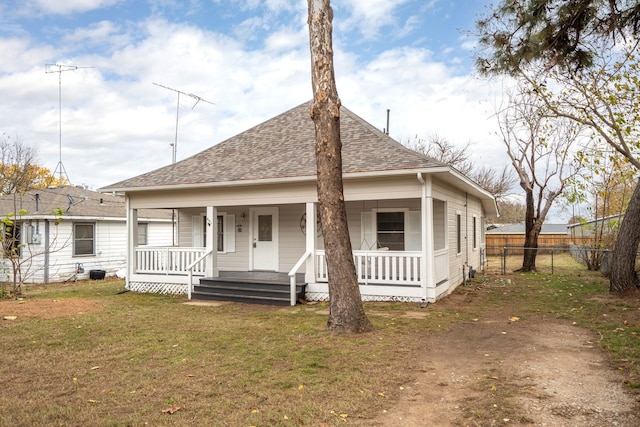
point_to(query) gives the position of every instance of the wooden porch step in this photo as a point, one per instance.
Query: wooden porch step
(247, 290)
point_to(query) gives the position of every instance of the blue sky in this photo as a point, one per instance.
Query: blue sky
(248, 57)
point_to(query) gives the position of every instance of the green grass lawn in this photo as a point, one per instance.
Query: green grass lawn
(129, 357)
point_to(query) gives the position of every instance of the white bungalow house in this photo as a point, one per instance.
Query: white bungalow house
(63, 233)
(247, 206)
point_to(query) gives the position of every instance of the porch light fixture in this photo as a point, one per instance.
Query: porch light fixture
(242, 216)
(209, 221)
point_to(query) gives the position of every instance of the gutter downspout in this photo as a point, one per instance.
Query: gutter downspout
(426, 223)
(46, 251)
(132, 241)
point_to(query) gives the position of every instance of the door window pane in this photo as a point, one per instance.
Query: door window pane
(265, 228)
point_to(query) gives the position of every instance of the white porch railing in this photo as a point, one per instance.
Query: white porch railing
(169, 260)
(292, 276)
(379, 267)
(193, 266)
(440, 266)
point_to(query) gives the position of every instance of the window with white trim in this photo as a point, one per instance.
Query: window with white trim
(225, 228)
(143, 234)
(391, 229)
(220, 224)
(84, 239)
(475, 232)
(439, 225)
(458, 233)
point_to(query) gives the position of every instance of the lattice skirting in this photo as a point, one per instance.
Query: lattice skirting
(158, 288)
(323, 296)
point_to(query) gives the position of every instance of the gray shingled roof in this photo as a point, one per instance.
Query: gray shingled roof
(283, 147)
(75, 202)
(519, 229)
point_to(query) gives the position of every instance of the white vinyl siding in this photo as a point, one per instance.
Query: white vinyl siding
(110, 248)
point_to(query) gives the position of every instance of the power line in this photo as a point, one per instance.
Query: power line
(179, 92)
(50, 68)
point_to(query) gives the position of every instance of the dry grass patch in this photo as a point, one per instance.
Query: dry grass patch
(133, 356)
(112, 358)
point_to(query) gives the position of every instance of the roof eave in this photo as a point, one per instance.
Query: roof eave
(465, 183)
(291, 179)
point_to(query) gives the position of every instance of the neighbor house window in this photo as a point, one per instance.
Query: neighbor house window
(391, 230)
(143, 232)
(458, 233)
(84, 239)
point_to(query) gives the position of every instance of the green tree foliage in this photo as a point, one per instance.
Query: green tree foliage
(555, 32)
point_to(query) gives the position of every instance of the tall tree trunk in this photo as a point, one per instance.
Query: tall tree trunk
(624, 278)
(346, 312)
(530, 234)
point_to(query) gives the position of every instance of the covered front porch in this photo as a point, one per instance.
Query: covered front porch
(411, 265)
(383, 274)
(393, 275)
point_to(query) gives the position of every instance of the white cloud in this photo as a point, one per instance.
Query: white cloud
(116, 124)
(369, 16)
(72, 6)
(94, 33)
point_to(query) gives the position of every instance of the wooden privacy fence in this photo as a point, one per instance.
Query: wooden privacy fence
(497, 242)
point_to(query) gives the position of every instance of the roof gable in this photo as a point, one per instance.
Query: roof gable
(284, 147)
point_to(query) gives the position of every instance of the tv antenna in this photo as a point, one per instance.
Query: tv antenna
(179, 92)
(60, 68)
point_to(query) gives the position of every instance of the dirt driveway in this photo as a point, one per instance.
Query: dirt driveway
(503, 371)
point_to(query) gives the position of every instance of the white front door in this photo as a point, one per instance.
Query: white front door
(264, 239)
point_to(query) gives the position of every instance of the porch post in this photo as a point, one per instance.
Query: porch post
(310, 227)
(212, 242)
(132, 240)
(426, 267)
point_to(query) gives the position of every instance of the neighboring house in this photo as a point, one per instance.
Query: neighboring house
(65, 232)
(512, 235)
(586, 231)
(249, 204)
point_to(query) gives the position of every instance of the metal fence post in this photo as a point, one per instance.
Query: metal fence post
(504, 260)
(552, 251)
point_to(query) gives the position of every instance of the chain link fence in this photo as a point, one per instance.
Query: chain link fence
(551, 260)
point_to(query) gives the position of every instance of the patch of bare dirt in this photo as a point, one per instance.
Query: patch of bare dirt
(46, 308)
(502, 371)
